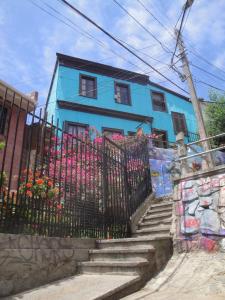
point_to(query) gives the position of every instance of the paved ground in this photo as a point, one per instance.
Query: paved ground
(83, 287)
(189, 276)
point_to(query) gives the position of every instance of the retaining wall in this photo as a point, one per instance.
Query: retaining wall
(30, 261)
(199, 211)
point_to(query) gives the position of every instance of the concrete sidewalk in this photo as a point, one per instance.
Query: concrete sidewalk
(189, 276)
(81, 287)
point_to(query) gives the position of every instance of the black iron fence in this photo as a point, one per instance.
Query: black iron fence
(57, 184)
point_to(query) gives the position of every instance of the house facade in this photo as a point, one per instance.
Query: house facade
(88, 94)
(14, 107)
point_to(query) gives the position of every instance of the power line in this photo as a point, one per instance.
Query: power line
(84, 33)
(210, 85)
(118, 42)
(195, 52)
(207, 72)
(186, 19)
(165, 48)
(155, 18)
(179, 31)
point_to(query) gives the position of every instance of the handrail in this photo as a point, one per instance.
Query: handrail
(201, 153)
(206, 139)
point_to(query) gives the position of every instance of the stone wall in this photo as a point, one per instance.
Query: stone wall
(199, 212)
(30, 261)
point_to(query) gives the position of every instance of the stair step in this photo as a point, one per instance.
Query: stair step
(153, 230)
(162, 205)
(157, 217)
(159, 210)
(140, 254)
(112, 267)
(131, 243)
(151, 224)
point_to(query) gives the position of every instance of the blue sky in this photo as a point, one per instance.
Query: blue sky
(30, 38)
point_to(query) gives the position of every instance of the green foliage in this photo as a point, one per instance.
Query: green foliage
(215, 114)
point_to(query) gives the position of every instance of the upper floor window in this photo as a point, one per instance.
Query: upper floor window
(122, 93)
(110, 132)
(88, 86)
(161, 140)
(3, 117)
(131, 133)
(158, 101)
(76, 128)
(179, 123)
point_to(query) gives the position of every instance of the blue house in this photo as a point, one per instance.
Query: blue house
(85, 93)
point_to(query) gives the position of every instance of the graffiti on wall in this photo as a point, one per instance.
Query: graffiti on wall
(161, 166)
(201, 211)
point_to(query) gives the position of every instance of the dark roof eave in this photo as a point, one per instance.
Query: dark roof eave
(103, 111)
(98, 68)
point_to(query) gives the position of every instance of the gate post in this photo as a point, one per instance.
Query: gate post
(105, 185)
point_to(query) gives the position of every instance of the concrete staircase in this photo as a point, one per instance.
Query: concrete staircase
(117, 268)
(142, 255)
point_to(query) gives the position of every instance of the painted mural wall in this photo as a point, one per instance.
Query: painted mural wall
(161, 165)
(200, 214)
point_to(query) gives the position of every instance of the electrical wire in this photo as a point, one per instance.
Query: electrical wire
(155, 18)
(86, 34)
(179, 31)
(118, 42)
(207, 72)
(165, 48)
(210, 85)
(197, 54)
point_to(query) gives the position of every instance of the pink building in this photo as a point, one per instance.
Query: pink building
(14, 107)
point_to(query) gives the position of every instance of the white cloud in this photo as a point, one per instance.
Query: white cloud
(205, 29)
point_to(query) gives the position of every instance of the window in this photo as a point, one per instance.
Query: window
(109, 132)
(131, 133)
(158, 101)
(88, 86)
(161, 140)
(76, 128)
(3, 115)
(179, 123)
(122, 93)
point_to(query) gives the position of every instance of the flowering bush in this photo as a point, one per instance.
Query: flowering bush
(38, 186)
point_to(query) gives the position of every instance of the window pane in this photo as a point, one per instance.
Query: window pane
(122, 93)
(111, 133)
(161, 140)
(88, 86)
(179, 123)
(76, 129)
(158, 101)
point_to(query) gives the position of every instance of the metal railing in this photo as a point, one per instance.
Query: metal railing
(56, 184)
(216, 152)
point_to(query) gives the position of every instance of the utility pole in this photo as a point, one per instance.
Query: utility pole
(193, 95)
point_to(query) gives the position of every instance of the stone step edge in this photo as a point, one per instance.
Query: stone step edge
(161, 204)
(122, 250)
(159, 222)
(157, 211)
(132, 239)
(153, 229)
(114, 263)
(158, 216)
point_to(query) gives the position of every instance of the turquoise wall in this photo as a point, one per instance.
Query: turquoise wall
(66, 87)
